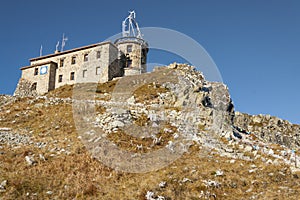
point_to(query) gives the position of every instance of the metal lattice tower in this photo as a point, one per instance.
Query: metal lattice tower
(132, 47)
(130, 27)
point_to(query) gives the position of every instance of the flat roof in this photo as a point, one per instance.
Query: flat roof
(38, 64)
(70, 51)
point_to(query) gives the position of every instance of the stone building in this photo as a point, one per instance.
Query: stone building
(99, 62)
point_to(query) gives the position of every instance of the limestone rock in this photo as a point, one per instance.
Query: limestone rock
(25, 88)
(30, 160)
(3, 186)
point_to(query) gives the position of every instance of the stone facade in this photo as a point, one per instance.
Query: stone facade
(135, 51)
(99, 62)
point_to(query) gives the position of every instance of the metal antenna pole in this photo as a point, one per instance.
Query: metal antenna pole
(63, 42)
(41, 50)
(56, 47)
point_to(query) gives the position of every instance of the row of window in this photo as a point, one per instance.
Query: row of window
(72, 77)
(73, 59)
(72, 74)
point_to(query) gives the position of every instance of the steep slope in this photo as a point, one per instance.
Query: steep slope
(169, 134)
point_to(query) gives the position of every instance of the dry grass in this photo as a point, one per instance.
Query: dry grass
(148, 92)
(100, 109)
(81, 177)
(130, 143)
(62, 92)
(106, 87)
(99, 90)
(76, 175)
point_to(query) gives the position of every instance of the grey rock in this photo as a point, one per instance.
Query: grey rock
(3, 186)
(162, 184)
(117, 124)
(30, 160)
(42, 157)
(131, 100)
(248, 149)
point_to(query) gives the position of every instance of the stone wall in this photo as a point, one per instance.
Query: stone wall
(42, 80)
(137, 55)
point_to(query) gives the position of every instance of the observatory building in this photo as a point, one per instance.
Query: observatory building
(99, 62)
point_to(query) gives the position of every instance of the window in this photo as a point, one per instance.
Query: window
(129, 63)
(36, 71)
(43, 70)
(72, 76)
(60, 77)
(129, 48)
(84, 72)
(33, 86)
(98, 70)
(86, 57)
(61, 62)
(73, 61)
(98, 54)
(144, 56)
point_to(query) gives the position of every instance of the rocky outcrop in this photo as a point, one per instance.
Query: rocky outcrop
(25, 88)
(5, 99)
(269, 129)
(7, 136)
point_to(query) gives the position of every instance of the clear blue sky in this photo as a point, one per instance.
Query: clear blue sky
(255, 44)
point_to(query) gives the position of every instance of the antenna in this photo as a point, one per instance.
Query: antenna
(63, 42)
(56, 47)
(41, 50)
(130, 27)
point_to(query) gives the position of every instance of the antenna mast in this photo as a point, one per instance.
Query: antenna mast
(41, 50)
(63, 42)
(56, 47)
(130, 27)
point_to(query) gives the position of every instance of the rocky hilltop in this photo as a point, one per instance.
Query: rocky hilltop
(168, 134)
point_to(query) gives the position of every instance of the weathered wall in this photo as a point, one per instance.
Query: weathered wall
(115, 68)
(42, 80)
(93, 69)
(137, 56)
(84, 70)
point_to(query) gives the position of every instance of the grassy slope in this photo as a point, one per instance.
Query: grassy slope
(77, 175)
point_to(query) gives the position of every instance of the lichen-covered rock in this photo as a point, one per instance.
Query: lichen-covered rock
(25, 88)
(270, 129)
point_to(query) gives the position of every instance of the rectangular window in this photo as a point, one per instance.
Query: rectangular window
(129, 48)
(84, 72)
(73, 61)
(72, 76)
(86, 57)
(36, 71)
(129, 63)
(98, 71)
(60, 77)
(98, 54)
(33, 86)
(61, 62)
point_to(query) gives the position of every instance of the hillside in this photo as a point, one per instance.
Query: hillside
(168, 134)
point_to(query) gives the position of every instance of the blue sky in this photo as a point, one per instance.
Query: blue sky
(255, 44)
